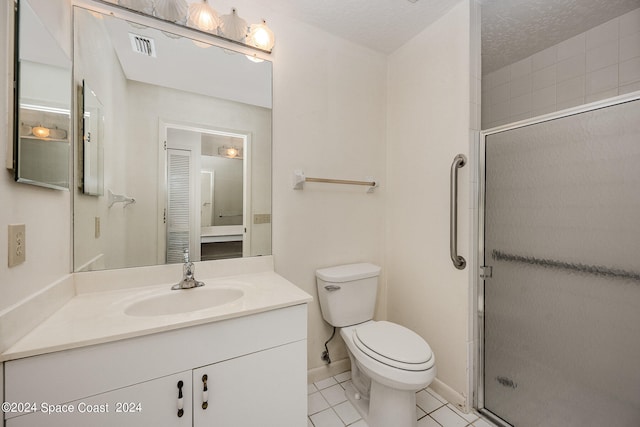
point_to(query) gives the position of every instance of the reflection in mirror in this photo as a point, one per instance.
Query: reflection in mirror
(41, 146)
(216, 162)
(187, 134)
(90, 161)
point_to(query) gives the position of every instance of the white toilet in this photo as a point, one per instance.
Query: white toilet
(389, 363)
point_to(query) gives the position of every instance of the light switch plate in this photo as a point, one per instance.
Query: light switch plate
(261, 218)
(17, 244)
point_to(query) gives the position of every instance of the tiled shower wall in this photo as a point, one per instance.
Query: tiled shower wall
(597, 64)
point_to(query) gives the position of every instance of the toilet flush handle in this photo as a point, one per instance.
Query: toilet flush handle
(332, 288)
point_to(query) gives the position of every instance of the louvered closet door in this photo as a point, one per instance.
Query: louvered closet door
(178, 209)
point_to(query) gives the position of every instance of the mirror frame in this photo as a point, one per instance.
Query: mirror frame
(12, 132)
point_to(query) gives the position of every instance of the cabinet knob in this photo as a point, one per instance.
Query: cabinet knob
(180, 400)
(205, 393)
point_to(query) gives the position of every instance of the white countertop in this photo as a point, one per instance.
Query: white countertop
(99, 317)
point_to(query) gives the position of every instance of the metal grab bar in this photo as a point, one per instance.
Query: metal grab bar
(596, 270)
(458, 262)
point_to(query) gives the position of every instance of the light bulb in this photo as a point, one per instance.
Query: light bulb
(261, 36)
(203, 17)
(40, 131)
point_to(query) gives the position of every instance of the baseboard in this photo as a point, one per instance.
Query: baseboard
(326, 371)
(450, 395)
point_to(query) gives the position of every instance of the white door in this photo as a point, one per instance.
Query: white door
(178, 203)
(263, 389)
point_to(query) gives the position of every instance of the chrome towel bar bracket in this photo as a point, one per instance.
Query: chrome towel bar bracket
(458, 262)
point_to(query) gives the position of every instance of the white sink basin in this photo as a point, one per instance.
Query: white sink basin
(183, 301)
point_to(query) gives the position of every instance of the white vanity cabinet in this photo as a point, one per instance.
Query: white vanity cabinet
(255, 367)
(152, 403)
(246, 391)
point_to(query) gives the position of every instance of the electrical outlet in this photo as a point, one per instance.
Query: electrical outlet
(17, 244)
(261, 218)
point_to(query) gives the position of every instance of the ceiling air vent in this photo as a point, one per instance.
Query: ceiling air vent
(143, 45)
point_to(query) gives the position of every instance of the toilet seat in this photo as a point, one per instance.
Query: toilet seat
(393, 345)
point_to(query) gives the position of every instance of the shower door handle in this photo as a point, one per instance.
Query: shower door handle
(458, 262)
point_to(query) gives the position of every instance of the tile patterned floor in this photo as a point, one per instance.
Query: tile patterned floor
(329, 407)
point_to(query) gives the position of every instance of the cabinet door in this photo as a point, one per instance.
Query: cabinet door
(151, 403)
(263, 389)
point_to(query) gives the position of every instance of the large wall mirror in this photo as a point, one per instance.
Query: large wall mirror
(183, 145)
(42, 123)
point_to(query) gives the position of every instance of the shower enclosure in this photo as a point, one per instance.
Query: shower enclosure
(559, 297)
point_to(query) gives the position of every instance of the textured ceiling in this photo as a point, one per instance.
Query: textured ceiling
(515, 29)
(511, 29)
(382, 25)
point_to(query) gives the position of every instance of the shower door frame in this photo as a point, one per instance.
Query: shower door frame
(477, 284)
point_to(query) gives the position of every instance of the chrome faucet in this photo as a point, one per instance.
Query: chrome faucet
(188, 280)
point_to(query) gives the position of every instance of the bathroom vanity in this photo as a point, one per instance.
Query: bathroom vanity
(97, 363)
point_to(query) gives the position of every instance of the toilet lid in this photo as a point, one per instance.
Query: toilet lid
(392, 344)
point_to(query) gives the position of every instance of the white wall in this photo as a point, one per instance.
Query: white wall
(600, 63)
(330, 122)
(46, 213)
(428, 125)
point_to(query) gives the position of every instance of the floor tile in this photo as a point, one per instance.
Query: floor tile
(480, 422)
(329, 407)
(427, 402)
(326, 418)
(470, 417)
(325, 383)
(419, 413)
(347, 413)
(334, 394)
(447, 418)
(346, 384)
(343, 376)
(428, 422)
(316, 403)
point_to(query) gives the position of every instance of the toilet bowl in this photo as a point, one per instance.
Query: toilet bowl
(391, 354)
(389, 363)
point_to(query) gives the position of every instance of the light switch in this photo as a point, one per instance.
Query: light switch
(97, 227)
(261, 218)
(17, 244)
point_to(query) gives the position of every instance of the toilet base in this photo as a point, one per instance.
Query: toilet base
(385, 406)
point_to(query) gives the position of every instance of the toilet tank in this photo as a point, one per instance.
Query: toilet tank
(347, 293)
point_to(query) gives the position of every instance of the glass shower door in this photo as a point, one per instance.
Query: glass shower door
(561, 312)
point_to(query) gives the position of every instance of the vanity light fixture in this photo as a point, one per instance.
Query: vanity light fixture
(201, 16)
(233, 27)
(261, 36)
(40, 131)
(172, 10)
(144, 6)
(230, 152)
